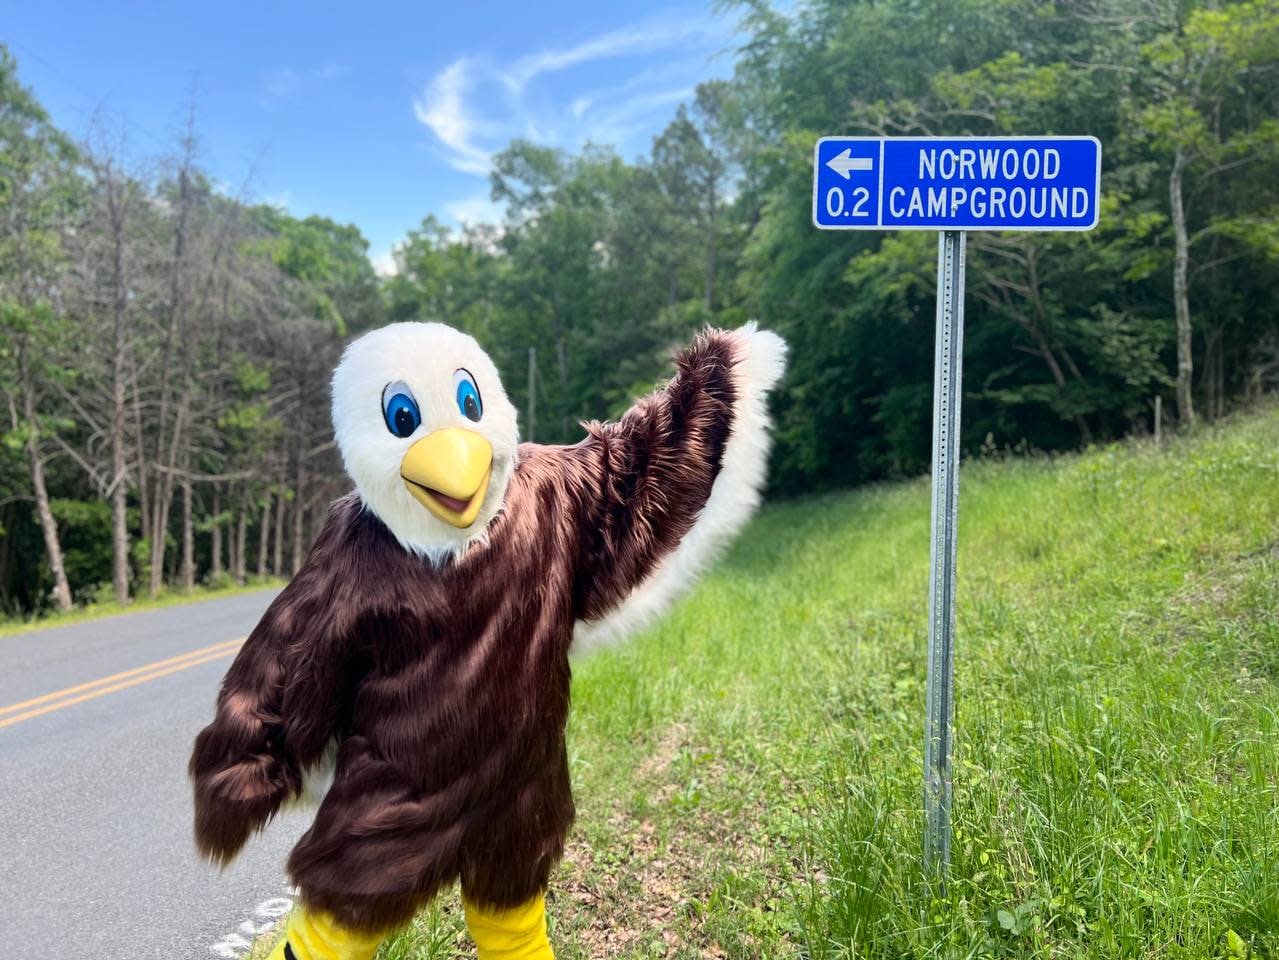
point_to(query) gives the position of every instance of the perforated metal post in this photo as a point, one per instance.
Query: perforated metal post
(941, 584)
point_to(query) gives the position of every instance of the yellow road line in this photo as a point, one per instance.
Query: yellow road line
(145, 668)
(219, 651)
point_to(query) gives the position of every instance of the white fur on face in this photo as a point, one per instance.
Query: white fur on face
(425, 356)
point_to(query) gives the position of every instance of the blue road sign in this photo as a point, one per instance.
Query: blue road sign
(956, 183)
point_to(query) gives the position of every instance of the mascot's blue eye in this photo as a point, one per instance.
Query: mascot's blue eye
(468, 396)
(400, 409)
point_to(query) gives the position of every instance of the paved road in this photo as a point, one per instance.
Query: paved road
(96, 856)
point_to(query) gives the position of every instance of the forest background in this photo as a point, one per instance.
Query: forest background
(165, 345)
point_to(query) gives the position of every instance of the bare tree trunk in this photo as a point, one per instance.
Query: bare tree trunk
(1180, 291)
(164, 501)
(710, 244)
(188, 539)
(120, 565)
(232, 548)
(171, 574)
(532, 393)
(164, 479)
(232, 561)
(215, 537)
(561, 360)
(139, 440)
(998, 294)
(178, 334)
(264, 535)
(48, 526)
(1219, 374)
(1040, 322)
(277, 548)
(299, 512)
(119, 345)
(241, 537)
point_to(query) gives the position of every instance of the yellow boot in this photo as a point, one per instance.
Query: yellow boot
(515, 934)
(317, 936)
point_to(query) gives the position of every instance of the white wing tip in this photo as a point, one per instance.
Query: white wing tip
(765, 360)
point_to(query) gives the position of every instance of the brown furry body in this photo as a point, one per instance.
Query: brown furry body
(446, 685)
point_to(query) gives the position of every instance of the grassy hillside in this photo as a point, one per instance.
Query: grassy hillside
(748, 773)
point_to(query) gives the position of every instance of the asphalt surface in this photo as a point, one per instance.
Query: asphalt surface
(96, 855)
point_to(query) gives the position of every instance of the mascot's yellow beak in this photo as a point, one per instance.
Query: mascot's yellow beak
(447, 471)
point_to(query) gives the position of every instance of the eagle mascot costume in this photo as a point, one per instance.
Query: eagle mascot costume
(416, 669)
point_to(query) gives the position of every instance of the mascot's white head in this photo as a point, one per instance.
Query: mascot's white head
(426, 432)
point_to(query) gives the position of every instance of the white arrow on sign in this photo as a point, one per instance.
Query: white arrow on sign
(843, 163)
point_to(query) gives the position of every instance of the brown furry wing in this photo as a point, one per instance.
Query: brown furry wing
(640, 484)
(281, 698)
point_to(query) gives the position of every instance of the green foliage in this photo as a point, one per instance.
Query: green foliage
(85, 530)
(330, 262)
(1069, 336)
(38, 192)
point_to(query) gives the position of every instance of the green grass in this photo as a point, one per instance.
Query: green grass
(170, 597)
(748, 773)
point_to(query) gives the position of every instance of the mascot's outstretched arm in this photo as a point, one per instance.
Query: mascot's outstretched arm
(277, 708)
(664, 488)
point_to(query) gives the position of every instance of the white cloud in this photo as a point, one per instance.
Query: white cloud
(637, 38)
(475, 107)
(442, 108)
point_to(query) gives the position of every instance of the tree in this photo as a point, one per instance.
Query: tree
(102, 250)
(37, 192)
(165, 348)
(1205, 103)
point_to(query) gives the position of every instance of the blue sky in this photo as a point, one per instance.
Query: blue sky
(377, 116)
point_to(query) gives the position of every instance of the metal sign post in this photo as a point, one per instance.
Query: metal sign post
(947, 395)
(951, 184)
